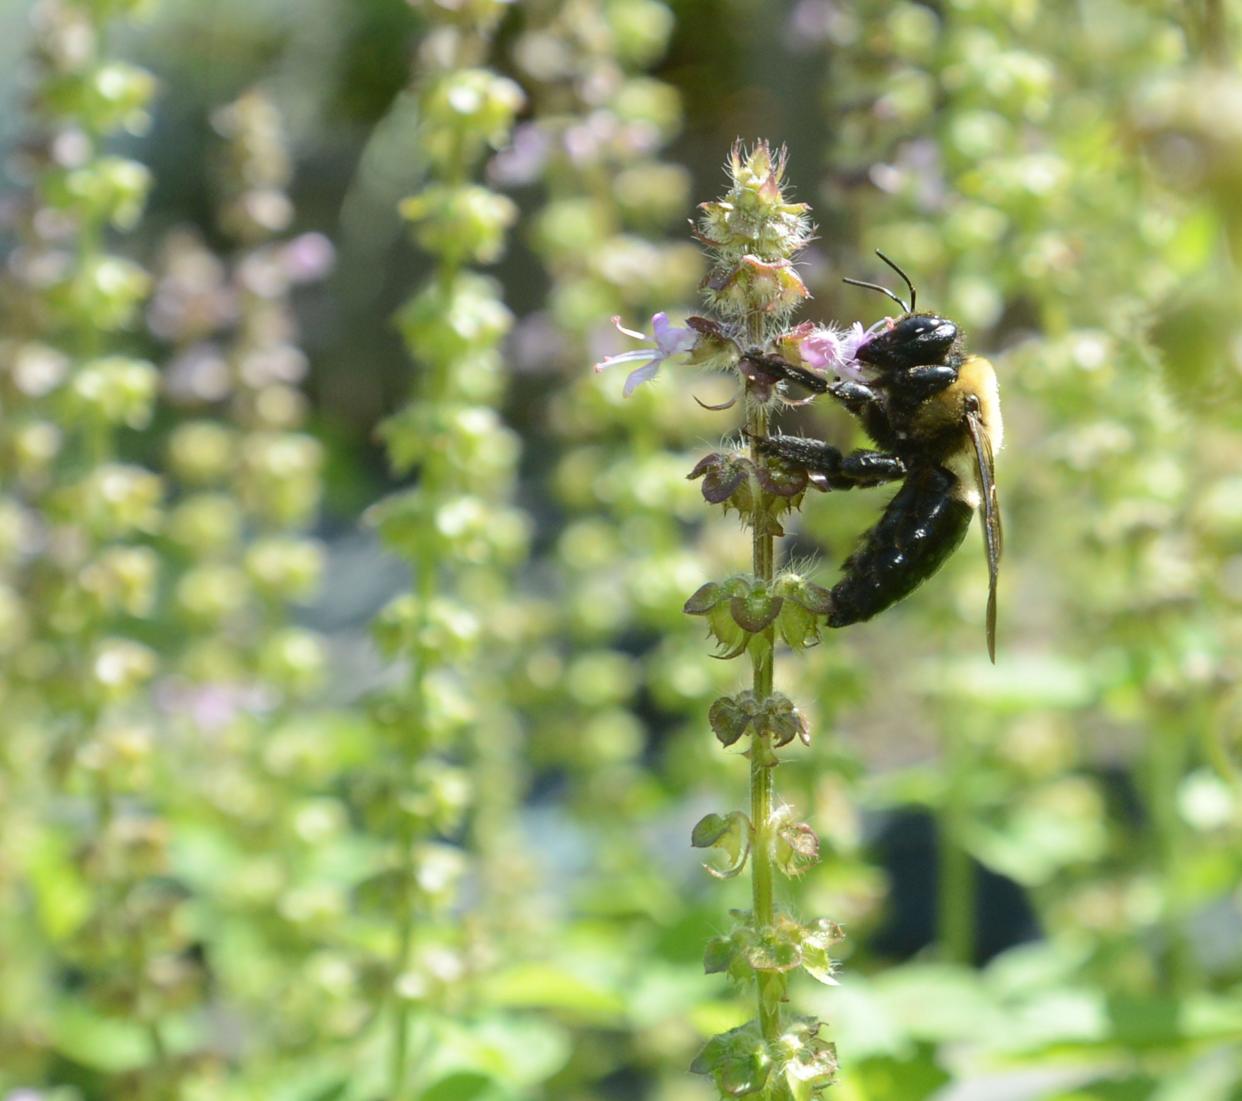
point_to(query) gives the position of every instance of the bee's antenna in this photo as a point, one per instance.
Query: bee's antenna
(913, 293)
(877, 287)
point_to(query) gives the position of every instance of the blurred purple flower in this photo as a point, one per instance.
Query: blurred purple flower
(308, 257)
(670, 341)
(199, 374)
(522, 160)
(212, 707)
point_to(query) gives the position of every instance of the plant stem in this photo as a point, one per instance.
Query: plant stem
(1166, 763)
(436, 389)
(956, 886)
(770, 984)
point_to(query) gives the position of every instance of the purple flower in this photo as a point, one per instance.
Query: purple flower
(836, 350)
(670, 341)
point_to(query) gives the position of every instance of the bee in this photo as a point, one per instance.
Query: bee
(933, 411)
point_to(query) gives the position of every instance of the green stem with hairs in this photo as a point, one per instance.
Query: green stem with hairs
(770, 985)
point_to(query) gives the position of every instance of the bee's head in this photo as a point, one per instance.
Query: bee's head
(915, 340)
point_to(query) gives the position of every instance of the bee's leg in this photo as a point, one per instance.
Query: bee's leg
(869, 407)
(829, 469)
(920, 383)
(857, 397)
(865, 468)
(921, 527)
(784, 371)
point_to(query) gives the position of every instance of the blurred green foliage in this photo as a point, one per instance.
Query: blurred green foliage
(201, 773)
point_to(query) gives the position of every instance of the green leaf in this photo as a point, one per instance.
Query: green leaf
(545, 986)
(112, 1045)
(464, 1085)
(62, 899)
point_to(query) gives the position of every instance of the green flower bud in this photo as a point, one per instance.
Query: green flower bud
(280, 476)
(450, 325)
(640, 29)
(206, 524)
(211, 594)
(568, 228)
(293, 660)
(650, 103)
(35, 446)
(279, 407)
(480, 449)
(121, 754)
(35, 369)
(120, 666)
(317, 821)
(438, 797)
(115, 500)
(463, 224)
(603, 678)
(284, 568)
(449, 629)
(123, 579)
(652, 194)
(110, 96)
(110, 189)
(466, 110)
(202, 452)
(757, 286)
(115, 391)
(437, 871)
(106, 291)
(753, 217)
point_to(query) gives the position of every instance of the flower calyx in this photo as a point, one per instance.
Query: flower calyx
(737, 610)
(731, 834)
(797, 1066)
(784, 945)
(794, 846)
(775, 718)
(760, 492)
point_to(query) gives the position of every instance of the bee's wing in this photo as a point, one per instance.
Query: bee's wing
(989, 512)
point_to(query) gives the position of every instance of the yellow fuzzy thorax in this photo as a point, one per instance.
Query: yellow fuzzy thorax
(945, 414)
(977, 377)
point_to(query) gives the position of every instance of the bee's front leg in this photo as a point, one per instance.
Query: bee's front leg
(920, 383)
(829, 469)
(857, 397)
(870, 407)
(783, 371)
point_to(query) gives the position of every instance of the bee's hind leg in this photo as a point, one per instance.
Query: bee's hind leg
(829, 468)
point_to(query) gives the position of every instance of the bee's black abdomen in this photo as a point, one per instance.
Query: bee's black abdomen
(921, 527)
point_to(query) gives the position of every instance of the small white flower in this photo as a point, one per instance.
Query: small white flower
(670, 341)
